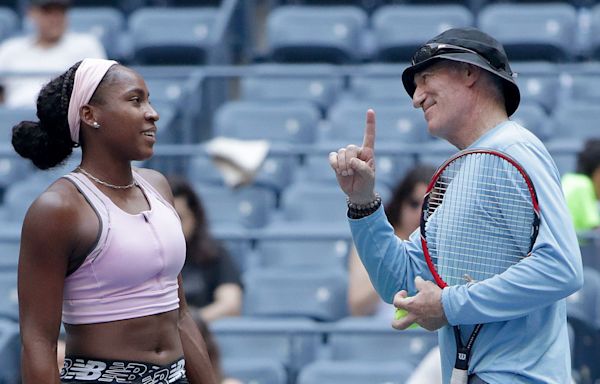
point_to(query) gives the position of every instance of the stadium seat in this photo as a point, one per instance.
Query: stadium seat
(436, 152)
(316, 294)
(10, 350)
(378, 81)
(594, 34)
(316, 34)
(9, 253)
(294, 342)
(300, 253)
(276, 172)
(252, 370)
(373, 340)
(9, 22)
(533, 117)
(246, 207)
(539, 82)
(583, 87)
(19, 196)
(281, 123)
(583, 312)
(176, 36)
(532, 31)
(576, 121)
(401, 29)
(313, 204)
(317, 83)
(9, 301)
(355, 372)
(106, 23)
(397, 125)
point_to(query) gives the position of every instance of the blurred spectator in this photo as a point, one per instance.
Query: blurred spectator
(404, 214)
(212, 280)
(582, 188)
(49, 49)
(214, 354)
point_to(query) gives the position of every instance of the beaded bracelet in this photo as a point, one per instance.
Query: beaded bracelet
(358, 211)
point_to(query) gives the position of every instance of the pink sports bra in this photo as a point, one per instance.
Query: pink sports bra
(132, 270)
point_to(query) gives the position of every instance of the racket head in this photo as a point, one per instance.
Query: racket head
(480, 215)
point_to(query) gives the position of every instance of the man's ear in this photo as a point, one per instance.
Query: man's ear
(471, 74)
(87, 115)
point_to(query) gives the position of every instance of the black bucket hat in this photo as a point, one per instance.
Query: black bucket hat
(468, 45)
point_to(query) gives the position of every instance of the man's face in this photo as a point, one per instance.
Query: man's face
(440, 93)
(50, 21)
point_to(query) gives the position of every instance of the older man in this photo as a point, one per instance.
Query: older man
(462, 81)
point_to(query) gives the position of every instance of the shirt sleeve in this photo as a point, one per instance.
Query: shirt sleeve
(392, 263)
(551, 272)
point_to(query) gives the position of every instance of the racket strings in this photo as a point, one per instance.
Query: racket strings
(479, 218)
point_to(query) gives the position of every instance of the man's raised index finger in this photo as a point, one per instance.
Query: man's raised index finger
(369, 139)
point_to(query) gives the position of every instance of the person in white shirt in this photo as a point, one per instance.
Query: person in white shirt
(28, 62)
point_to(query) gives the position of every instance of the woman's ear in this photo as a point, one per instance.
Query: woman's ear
(86, 114)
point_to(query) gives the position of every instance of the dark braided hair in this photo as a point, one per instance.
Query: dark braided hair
(47, 142)
(588, 159)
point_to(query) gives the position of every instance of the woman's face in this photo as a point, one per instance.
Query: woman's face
(411, 209)
(126, 117)
(188, 221)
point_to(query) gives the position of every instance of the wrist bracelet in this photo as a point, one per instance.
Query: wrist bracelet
(358, 211)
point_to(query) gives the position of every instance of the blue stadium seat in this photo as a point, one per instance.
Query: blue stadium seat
(294, 342)
(313, 204)
(317, 83)
(316, 34)
(583, 312)
(316, 294)
(378, 81)
(576, 121)
(533, 117)
(245, 207)
(401, 29)
(531, 31)
(282, 123)
(171, 36)
(9, 22)
(106, 23)
(539, 82)
(9, 253)
(594, 43)
(583, 87)
(10, 350)
(300, 253)
(9, 301)
(397, 125)
(372, 340)
(436, 152)
(355, 372)
(589, 244)
(276, 172)
(564, 153)
(252, 370)
(20, 195)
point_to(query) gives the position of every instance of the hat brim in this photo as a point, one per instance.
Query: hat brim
(512, 95)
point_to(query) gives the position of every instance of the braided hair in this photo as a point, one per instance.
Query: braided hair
(47, 142)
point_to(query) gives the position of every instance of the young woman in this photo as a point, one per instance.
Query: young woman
(103, 246)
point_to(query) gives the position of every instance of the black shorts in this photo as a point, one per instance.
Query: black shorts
(81, 370)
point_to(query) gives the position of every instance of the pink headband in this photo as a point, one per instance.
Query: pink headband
(87, 77)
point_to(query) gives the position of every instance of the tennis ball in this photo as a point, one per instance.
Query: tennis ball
(400, 313)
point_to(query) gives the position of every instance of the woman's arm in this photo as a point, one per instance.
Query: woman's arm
(362, 297)
(197, 363)
(227, 302)
(47, 240)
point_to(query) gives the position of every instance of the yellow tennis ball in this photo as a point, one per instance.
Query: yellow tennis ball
(400, 313)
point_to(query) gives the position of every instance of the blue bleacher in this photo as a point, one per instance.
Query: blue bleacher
(316, 34)
(290, 292)
(10, 346)
(252, 370)
(532, 31)
(9, 22)
(107, 24)
(170, 36)
(355, 372)
(399, 30)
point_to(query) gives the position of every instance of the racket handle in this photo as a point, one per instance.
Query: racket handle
(459, 376)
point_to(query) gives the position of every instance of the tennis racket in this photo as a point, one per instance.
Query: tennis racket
(480, 216)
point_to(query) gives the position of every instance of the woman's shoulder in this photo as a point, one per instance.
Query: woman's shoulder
(157, 180)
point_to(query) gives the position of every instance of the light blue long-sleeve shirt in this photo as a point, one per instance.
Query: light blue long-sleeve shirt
(524, 339)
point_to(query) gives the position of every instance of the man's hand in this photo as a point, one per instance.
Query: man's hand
(355, 166)
(425, 308)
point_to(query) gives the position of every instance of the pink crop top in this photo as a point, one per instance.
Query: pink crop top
(132, 270)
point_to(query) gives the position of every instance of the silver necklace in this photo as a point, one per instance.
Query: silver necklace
(97, 180)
